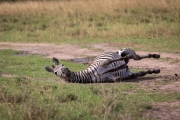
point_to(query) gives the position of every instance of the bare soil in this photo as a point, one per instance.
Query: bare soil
(167, 81)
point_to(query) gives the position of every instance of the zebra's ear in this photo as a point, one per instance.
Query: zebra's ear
(49, 69)
(56, 61)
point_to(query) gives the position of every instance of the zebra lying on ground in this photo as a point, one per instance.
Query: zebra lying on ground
(108, 67)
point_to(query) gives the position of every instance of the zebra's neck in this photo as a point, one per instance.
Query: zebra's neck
(80, 77)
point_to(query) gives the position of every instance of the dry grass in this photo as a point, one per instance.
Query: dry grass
(86, 6)
(76, 21)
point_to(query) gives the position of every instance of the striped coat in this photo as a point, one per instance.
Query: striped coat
(107, 67)
(96, 73)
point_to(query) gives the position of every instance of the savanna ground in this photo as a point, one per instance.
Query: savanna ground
(31, 33)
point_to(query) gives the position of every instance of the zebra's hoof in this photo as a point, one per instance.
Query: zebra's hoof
(155, 55)
(157, 71)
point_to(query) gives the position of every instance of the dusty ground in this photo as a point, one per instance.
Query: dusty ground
(168, 80)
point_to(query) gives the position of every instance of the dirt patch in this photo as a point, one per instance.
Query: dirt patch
(8, 75)
(64, 51)
(164, 111)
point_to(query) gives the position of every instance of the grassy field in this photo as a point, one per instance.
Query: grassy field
(130, 23)
(27, 91)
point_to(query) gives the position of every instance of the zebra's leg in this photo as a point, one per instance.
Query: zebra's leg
(127, 51)
(140, 74)
(109, 61)
(148, 56)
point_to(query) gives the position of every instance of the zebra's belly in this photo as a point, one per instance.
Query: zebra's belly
(111, 75)
(100, 73)
(121, 72)
(97, 78)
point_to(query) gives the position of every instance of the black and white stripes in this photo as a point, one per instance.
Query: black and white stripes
(107, 67)
(96, 73)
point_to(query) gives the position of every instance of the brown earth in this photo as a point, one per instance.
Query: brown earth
(167, 81)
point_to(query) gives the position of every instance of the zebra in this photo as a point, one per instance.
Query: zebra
(107, 67)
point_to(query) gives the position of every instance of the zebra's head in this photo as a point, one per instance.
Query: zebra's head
(59, 69)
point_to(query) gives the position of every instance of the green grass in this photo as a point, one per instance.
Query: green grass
(29, 92)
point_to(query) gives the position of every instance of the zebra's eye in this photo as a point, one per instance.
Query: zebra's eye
(55, 73)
